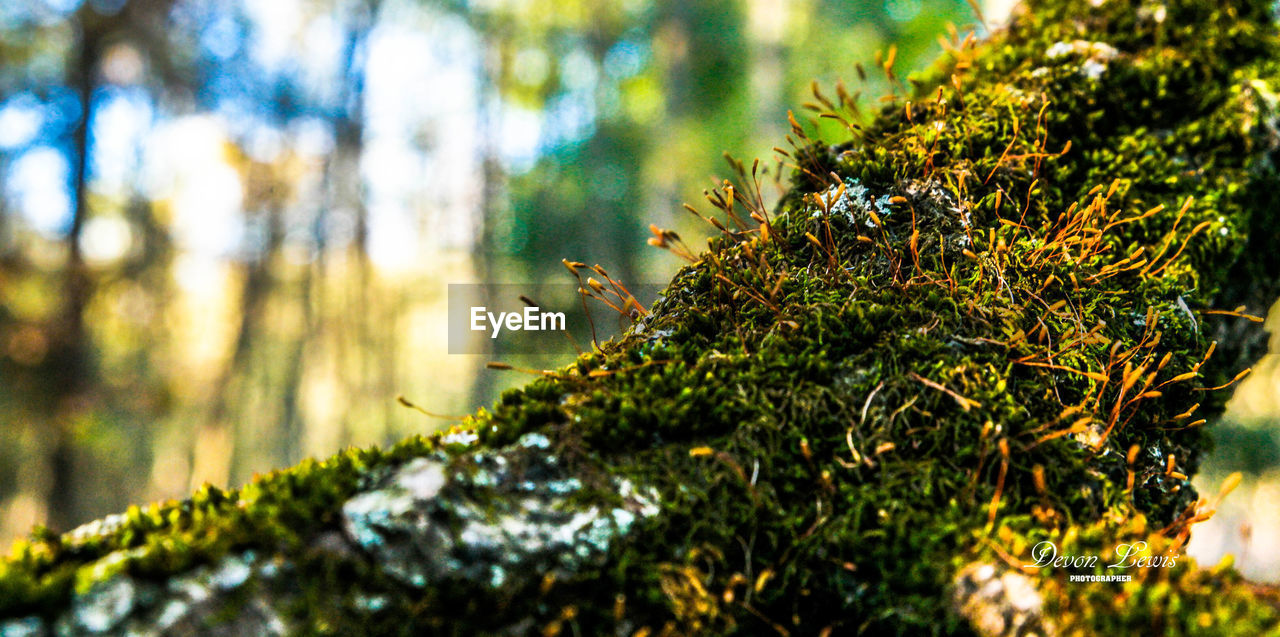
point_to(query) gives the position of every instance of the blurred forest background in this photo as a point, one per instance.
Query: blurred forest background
(227, 226)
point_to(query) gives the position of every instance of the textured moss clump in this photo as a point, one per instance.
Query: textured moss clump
(283, 513)
(982, 321)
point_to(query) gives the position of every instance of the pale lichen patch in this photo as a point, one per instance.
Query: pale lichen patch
(25, 627)
(488, 518)
(96, 528)
(1095, 55)
(1000, 602)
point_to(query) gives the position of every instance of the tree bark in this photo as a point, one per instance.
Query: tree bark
(980, 325)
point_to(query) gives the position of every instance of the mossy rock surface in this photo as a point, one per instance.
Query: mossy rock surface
(982, 322)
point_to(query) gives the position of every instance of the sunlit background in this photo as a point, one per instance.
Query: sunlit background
(227, 226)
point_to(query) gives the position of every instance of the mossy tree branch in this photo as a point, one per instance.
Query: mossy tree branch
(984, 321)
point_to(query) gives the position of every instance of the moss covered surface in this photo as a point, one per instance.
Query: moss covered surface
(978, 323)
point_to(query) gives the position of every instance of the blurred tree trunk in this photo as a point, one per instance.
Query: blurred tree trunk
(6, 232)
(214, 442)
(489, 106)
(366, 364)
(69, 361)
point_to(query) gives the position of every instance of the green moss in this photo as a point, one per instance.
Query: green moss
(956, 331)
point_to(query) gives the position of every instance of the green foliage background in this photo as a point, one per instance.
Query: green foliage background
(140, 357)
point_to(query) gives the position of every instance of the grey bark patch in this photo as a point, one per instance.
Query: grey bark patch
(25, 627)
(209, 600)
(490, 517)
(102, 608)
